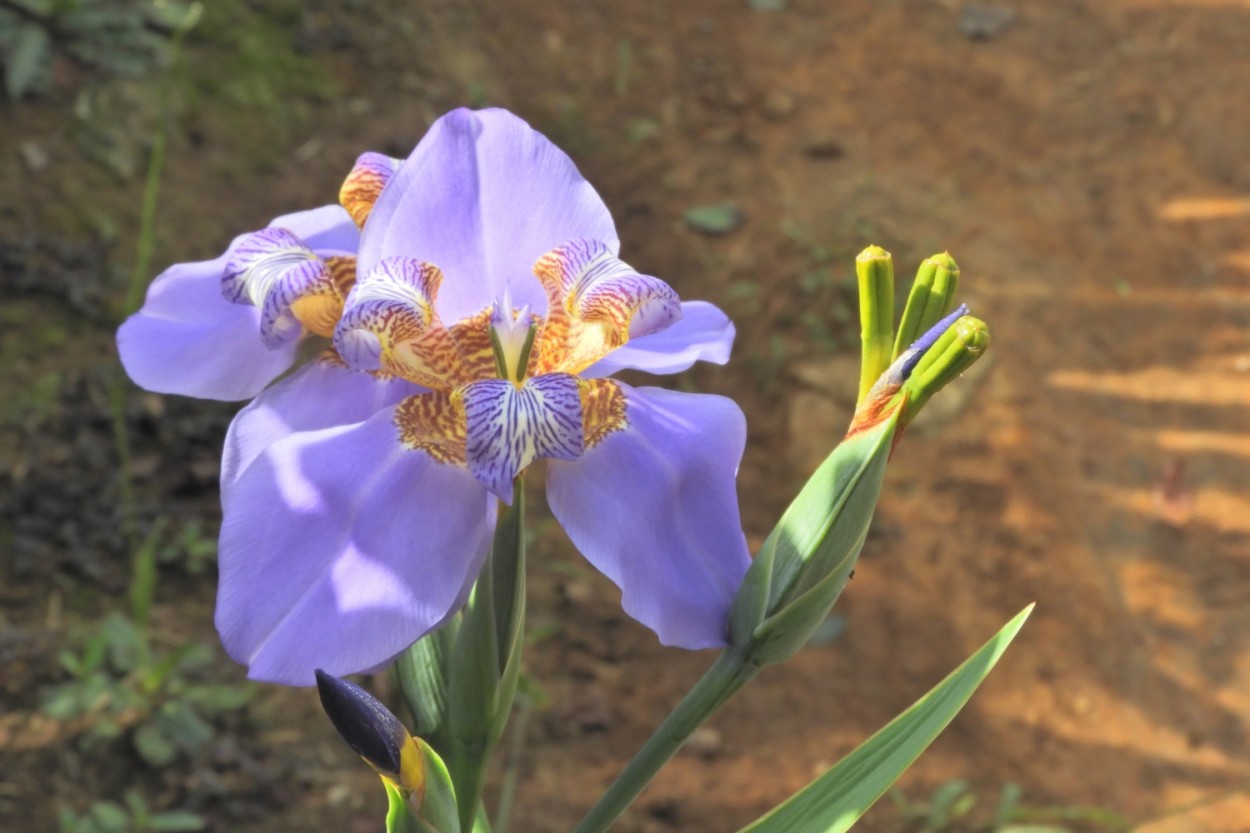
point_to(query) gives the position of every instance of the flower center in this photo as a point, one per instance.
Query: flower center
(512, 334)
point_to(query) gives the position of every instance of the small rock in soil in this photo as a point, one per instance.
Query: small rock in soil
(985, 22)
(823, 147)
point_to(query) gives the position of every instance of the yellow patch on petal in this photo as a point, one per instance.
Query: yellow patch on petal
(320, 306)
(603, 409)
(433, 423)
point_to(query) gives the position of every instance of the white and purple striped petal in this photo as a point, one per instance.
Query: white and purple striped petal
(653, 505)
(599, 287)
(703, 333)
(272, 270)
(510, 426)
(188, 339)
(484, 196)
(341, 547)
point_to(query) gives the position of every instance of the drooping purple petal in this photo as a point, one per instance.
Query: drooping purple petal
(653, 504)
(510, 426)
(703, 333)
(341, 547)
(482, 197)
(188, 339)
(321, 394)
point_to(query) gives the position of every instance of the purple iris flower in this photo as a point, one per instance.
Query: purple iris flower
(483, 312)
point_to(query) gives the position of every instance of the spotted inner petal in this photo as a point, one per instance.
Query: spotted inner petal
(293, 288)
(595, 304)
(389, 323)
(434, 423)
(509, 426)
(603, 410)
(365, 183)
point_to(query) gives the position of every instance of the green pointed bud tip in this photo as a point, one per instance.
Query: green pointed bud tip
(872, 253)
(944, 261)
(372, 731)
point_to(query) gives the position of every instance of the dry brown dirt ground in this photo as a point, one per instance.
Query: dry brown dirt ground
(1087, 166)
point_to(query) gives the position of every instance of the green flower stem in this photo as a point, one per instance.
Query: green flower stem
(731, 671)
(486, 660)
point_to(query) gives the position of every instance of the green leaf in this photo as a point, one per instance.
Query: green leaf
(184, 727)
(174, 821)
(152, 744)
(127, 648)
(143, 578)
(422, 672)
(715, 219)
(837, 799)
(27, 65)
(109, 817)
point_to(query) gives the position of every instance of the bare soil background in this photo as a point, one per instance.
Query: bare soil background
(1086, 163)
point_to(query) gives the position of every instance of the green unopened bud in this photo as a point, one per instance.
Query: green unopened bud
(932, 297)
(954, 352)
(803, 565)
(875, 270)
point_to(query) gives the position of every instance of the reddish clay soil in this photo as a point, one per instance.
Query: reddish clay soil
(1087, 167)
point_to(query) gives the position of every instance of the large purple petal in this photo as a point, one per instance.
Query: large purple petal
(341, 547)
(321, 394)
(188, 339)
(654, 506)
(483, 196)
(703, 333)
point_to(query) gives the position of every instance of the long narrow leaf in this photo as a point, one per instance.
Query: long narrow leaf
(837, 799)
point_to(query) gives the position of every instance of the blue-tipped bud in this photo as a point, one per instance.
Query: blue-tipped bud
(372, 732)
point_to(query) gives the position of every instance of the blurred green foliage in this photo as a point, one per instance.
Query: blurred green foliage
(134, 817)
(123, 686)
(952, 804)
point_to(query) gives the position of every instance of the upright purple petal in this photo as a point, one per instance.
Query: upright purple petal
(653, 505)
(483, 196)
(341, 547)
(188, 339)
(703, 333)
(321, 394)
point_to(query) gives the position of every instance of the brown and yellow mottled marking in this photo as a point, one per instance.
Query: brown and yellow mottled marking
(434, 423)
(472, 336)
(603, 409)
